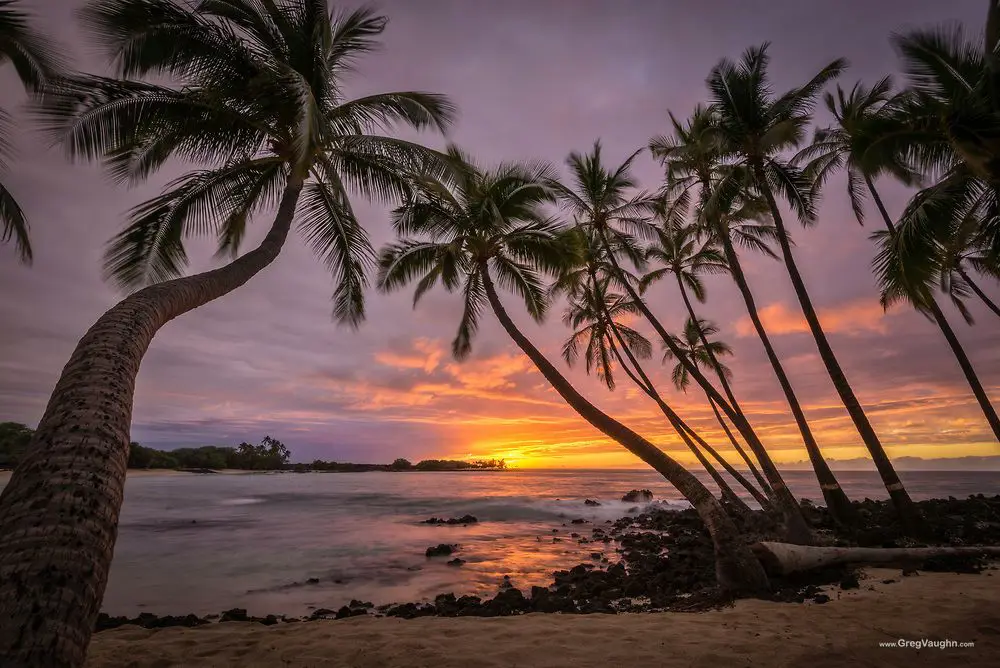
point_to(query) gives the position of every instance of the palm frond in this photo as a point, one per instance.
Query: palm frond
(15, 225)
(150, 249)
(35, 57)
(332, 230)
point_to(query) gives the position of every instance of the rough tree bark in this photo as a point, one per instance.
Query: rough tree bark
(783, 558)
(59, 511)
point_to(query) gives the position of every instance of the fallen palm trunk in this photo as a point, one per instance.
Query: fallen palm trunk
(783, 558)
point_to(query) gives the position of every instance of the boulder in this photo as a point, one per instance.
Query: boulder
(591, 502)
(442, 550)
(638, 496)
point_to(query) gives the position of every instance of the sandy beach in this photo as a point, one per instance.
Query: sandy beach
(845, 631)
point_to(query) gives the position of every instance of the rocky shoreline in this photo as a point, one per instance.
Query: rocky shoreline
(665, 563)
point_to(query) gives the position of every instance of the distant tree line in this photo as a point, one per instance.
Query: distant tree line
(405, 465)
(268, 455)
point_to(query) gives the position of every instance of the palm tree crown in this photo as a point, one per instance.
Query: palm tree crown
(862, 116)
(487, 223)
(679, 251)
(591, 314)
(258, 97)
(756, 126)
(690, 343)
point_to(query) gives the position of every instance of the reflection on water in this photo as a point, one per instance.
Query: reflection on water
(286, 543)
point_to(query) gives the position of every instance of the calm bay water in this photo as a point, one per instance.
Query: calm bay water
(204, 543)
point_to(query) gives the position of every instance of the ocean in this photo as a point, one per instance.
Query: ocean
(287, 543)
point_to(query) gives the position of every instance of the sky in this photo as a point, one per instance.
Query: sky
(532, 80)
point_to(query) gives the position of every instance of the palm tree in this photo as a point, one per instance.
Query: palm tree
(964, 250)
(258, 97)
(860, 115)
(947, 125)
(692, 158)
(682, 254)
(594, 314)
(35, 61)
(488, 229)
(599, 201)
(755, 126)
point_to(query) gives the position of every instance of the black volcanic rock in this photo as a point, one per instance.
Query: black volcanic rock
(442, 550)
(591, 502)
(464, 519)
(638, 496)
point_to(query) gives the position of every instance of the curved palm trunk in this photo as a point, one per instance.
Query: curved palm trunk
(990, 304)
(797, 531)
(836, 499)
(949, 334)
(735, 566)
(682, 428)
(59, 512)
(897, 492)
(726, 387)
(761, 480)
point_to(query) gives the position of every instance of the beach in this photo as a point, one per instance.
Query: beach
(844, 632)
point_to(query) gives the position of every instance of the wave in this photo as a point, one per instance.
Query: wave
(514, 509)
(241, 501)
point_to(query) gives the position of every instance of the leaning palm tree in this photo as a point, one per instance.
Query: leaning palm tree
(679, 252)
(860, 116)
(256, 96)
(488, 230)
(594, 316)
(35, 61)
(755, 127)
(599, 200)
(702, 352)
(693, 160)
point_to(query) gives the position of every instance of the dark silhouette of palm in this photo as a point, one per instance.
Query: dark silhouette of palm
(253, 93)
(490, 224)
(862, 116)
(36, 61)
(693, 347)
(757, 126)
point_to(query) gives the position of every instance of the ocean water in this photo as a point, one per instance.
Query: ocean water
(205, 543)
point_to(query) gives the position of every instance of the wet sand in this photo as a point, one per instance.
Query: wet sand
(845, 631)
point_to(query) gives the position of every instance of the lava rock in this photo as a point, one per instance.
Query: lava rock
(456, 562)
(638, 496)
(235, 615)
(464, 519)
(591, 502)
(850, 582)
(321, 613)
(442, 550)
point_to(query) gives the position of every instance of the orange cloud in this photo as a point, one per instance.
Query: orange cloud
(427, 355)
(852, 318)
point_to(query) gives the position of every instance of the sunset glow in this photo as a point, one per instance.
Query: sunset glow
(268, 360)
